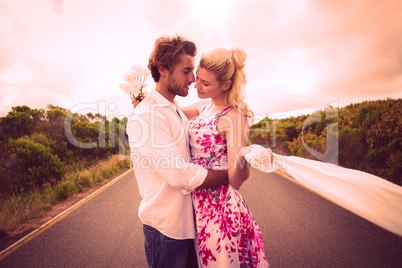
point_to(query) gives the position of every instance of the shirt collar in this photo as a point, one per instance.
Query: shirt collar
(161, 100)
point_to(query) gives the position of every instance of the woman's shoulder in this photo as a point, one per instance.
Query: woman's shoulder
(231, 116)
(233, 113)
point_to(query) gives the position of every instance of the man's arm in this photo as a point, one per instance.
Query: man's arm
(155, 151)
(193, 110)
(215, 178)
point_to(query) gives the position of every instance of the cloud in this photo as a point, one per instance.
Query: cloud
(359, 45)
(12, 32)
(47, 82)
(301, 55)
(352, 49)
(57, 6)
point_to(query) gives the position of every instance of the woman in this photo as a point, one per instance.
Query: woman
(227, 234)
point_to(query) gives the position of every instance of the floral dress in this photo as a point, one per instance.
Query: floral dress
(227, 234)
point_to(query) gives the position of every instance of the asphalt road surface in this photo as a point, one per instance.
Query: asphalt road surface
(300, 229)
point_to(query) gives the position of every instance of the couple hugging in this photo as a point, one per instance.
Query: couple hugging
(191, 210)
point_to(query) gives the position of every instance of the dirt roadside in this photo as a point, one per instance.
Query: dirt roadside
(20, 231)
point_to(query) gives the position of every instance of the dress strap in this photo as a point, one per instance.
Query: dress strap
(224, 111)
(203, 108)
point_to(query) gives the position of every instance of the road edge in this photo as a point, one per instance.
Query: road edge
(13, 247)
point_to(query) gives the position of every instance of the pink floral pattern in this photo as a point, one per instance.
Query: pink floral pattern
(227, 234)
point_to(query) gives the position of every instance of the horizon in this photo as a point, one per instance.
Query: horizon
(270, 116)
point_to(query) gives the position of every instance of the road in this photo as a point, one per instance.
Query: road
(300, 229)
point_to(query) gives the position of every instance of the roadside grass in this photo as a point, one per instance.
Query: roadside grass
(22, 208)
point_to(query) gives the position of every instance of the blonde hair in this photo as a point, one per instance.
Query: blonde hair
(228, 64)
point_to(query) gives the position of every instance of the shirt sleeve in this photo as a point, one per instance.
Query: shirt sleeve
(155, 149)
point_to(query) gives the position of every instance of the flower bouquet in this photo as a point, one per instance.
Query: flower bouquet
(135, 82)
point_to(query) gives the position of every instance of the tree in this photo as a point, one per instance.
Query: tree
(18, 122)
(35, 164)
(290, 131)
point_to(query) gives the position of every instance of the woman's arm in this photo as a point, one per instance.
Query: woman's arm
(236, 130)
(194, 110)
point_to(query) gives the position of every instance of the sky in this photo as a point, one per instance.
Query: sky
(302, 55)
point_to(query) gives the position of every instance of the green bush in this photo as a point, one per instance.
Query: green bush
(35, 150)
(368, 136)
(35, 164)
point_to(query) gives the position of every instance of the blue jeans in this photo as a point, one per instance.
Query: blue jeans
(166, 252)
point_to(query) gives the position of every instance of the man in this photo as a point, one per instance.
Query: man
(160, 154)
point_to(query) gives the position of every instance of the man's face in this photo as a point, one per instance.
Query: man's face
(181, 78)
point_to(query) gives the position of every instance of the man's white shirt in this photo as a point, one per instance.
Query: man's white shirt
(160, 152)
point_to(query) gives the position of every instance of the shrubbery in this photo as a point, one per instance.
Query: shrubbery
(35, 149)
(21, 208)
(369, 136)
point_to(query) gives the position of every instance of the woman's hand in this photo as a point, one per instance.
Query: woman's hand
(259, 157)
(135, 102)
(248, 149)
(244, 151)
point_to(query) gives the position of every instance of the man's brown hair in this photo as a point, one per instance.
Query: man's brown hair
(167, 52)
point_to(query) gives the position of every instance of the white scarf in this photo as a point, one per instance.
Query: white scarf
(364, 194)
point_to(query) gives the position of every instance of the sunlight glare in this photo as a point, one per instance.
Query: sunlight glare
(212, 8)
(294, 77)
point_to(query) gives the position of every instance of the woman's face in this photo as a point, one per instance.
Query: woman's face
(207, 85)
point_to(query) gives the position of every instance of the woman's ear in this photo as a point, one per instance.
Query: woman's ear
(227, 85)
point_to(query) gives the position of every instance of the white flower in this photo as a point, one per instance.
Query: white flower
(128, 77)
(125, 87)
(136, 89)
(135, 82)
(138, 71)
(146, 73)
